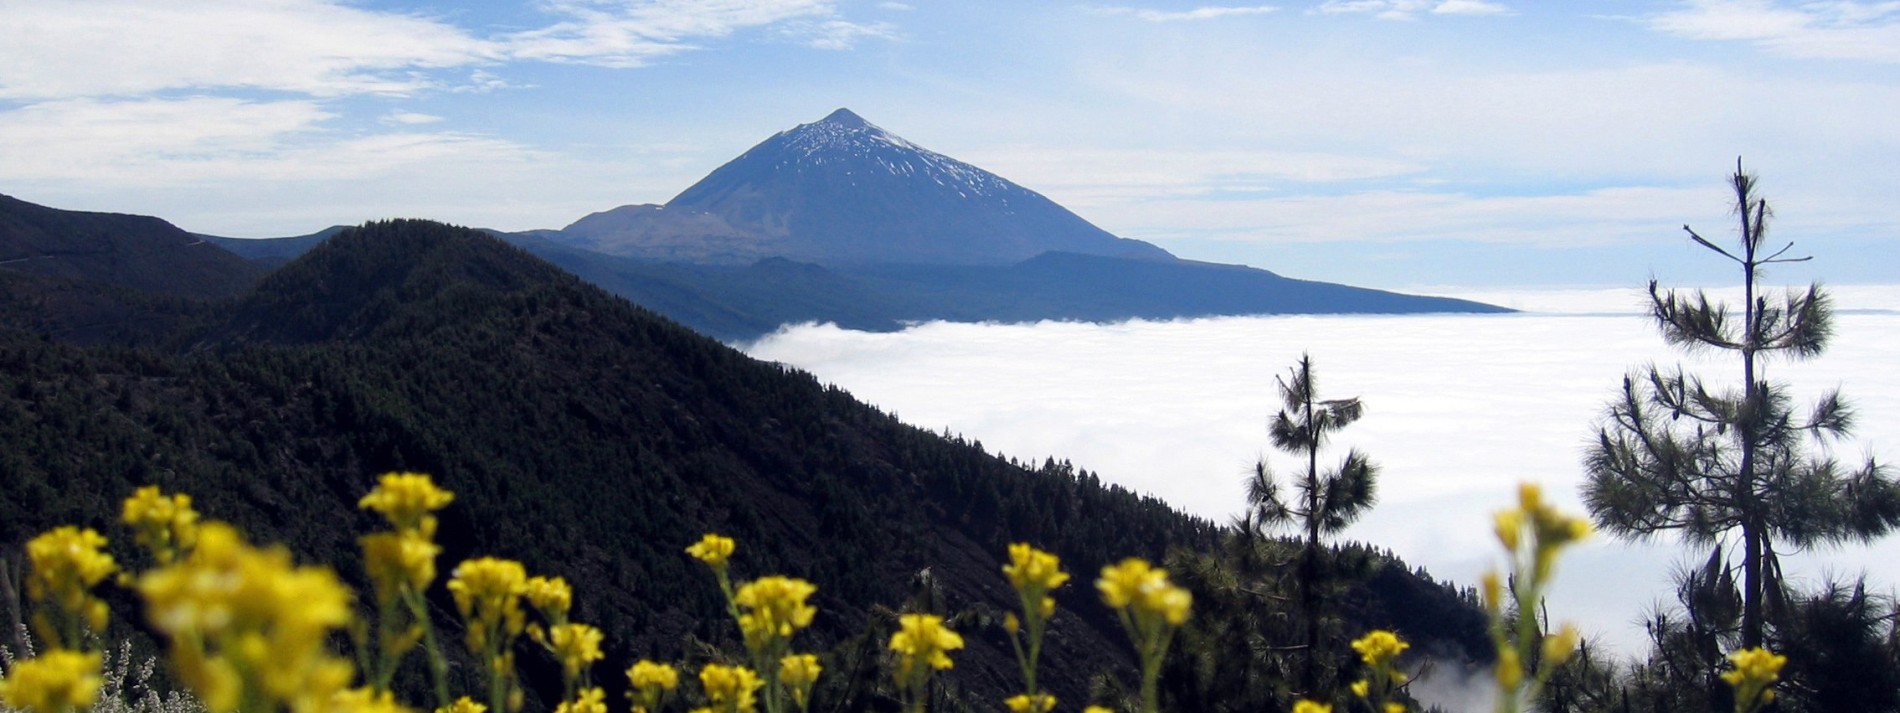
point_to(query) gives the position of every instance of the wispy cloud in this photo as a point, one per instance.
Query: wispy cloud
(409, 118)
(126, 47)
(1410, 9)
(1866, 31)
(631, 33)
(1199, 13)
(839, 34)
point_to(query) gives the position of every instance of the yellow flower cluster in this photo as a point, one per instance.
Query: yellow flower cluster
(729, 689)
(799, 672)
(1379, 647)
(651, 682)
(245, 622)
(487, 592)
(363, 700)
(463, 705)
(1533, 534)
(1134, 583)
(1755, 673)
(1025, 703)
(1379, 650)
(1309, 706)
(1033, 571)
(772, 609)
(408, 501)
(1549, 530)
(590, 700)
(66, 563)
(551, 595)
(164, 525)
(576, 645)
(398, 559)
(55, 682)
(923, 641)
(712, 549)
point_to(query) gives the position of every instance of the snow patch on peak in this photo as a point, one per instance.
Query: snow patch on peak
(845, 136)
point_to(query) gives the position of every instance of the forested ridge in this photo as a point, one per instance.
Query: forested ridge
(586, 437)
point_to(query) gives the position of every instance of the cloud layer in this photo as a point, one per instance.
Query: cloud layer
(1458, 409)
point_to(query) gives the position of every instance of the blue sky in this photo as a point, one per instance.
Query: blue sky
(1385, 142)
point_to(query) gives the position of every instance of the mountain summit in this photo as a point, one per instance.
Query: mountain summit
(842, 191)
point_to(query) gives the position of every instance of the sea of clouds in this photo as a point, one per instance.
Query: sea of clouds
(1459, 409)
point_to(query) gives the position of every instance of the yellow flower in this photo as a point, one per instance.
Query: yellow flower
(551, 595)
(66, 562)
(1394, 707)
(1032, 571)
(487, 592)
(1362, 688)
(729, 688)
(164, 525)
(1135, 583)
(923, 640)
(1307, 706)
(651, 682)
(713, 550)
(799, 672)
(775, 608)
(1756, 670)
(363, 700)
(407, 501)
(246, 622)
(396, 559)
(576, 645)
(1024, 703)
(590, 700)
(1560, 646)
(463, 705)
(1379, 647)
(56, 681)
(1096, 709)
(645, 675)
(1510, 671)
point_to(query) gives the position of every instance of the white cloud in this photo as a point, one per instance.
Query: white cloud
(631, 33)
(153, 141)
(409, 118)
(1470, 7)
(839, 34)
(1410, 9)
(1824, 30)
(128, 47)
(1458, 410)
(1199, 13)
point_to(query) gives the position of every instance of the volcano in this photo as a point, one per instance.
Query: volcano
(839, 192)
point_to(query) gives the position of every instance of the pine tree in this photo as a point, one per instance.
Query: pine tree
(1327, 501)
(1709, 461)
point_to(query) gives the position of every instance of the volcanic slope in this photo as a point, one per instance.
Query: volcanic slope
(841, 191)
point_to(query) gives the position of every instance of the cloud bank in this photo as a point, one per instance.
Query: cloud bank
(1458, 410)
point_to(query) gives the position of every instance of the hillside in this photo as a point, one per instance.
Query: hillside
(134, 251)
(585, 436)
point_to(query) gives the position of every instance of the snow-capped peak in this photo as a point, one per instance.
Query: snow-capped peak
(845, 136)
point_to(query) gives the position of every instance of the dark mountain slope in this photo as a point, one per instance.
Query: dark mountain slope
(272, 253)
(138, 252)
(744, 302)
(585, 436)
(841, 191)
